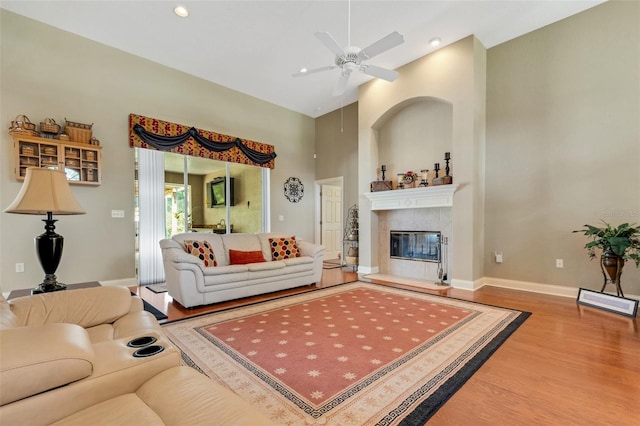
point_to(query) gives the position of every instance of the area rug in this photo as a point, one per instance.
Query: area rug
(353, 354)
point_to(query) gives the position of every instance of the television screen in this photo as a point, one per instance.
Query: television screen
(218, 192)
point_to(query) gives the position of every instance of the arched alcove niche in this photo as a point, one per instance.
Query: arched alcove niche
(413, 135)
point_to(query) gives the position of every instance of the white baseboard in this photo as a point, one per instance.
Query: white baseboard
(466, 284)
(551, 289)
(366, 270)
(124, 282)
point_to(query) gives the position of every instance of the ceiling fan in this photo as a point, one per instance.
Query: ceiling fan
(351, 58)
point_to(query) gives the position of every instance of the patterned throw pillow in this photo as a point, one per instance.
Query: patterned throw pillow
(283, 248)
(202, 250)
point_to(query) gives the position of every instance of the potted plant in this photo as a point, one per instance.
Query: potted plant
(618, 244)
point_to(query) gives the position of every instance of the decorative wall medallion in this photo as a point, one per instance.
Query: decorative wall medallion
(293, 189)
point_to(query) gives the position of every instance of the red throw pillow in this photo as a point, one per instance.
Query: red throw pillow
(202, 250)
(238, 257)
(283, 248)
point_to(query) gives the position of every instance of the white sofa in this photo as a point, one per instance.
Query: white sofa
(191, 283)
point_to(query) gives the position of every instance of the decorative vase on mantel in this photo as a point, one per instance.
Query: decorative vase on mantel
(611, 265)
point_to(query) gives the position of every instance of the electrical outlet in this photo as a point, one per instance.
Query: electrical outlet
(498, 257)
(559, 263)
(20, 267)
(117, 213)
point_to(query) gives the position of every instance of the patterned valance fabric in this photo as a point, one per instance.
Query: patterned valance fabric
(150, 133)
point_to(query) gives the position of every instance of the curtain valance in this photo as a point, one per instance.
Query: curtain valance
(150, 133)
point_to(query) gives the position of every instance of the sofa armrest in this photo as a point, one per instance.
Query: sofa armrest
(37, 359)
(86, 307)
(173, 252)
(310, 249)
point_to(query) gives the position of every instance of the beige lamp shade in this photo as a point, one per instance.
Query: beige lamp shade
(43, 191)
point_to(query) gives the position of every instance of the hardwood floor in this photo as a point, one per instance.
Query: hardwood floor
(566, 365)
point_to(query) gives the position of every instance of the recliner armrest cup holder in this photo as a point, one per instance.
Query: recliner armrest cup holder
(148, 351)
(141, 342)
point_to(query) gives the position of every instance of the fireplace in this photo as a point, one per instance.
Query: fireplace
(421, 246)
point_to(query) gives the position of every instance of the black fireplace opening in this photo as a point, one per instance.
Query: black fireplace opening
(421, 246)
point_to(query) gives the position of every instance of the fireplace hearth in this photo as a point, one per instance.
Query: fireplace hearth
(421, 246)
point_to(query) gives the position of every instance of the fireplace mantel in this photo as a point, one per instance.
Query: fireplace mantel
(413, 198)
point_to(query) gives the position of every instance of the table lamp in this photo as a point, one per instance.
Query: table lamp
(46, 191)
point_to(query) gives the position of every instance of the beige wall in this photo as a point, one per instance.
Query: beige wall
(563, 147)
(46, 72)
(337, 150)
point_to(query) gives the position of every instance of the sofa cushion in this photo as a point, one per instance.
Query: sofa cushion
(241, 257)
(202, 250)
(283, 248)
(244, 242)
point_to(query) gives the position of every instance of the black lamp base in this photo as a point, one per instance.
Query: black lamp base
(47, 288)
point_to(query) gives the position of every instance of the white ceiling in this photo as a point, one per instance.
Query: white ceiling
(254, 46)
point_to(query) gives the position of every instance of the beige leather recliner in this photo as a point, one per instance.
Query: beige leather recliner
(65, 359)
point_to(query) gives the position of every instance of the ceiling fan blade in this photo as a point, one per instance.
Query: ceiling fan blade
(379, 72)
(313, 71)
(342, 82)
(382, 45)
(330, 42)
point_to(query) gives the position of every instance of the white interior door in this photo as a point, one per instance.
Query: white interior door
(331, 222)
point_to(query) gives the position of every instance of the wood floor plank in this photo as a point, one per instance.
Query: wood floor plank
(566, 365)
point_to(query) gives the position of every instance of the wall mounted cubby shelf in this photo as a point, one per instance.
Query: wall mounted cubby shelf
(79, 161)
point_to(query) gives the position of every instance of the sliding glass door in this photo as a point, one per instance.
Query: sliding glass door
(202, 195)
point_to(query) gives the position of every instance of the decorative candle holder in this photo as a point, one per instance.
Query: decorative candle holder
(425, 177)
(436, 167)
(400, 180)
(383, 169)
(446, 179)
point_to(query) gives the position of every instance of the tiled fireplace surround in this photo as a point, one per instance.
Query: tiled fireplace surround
(416, 219)
(419, 209)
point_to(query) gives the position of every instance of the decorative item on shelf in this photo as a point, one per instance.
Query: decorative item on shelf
(49, 150)
(94, 141)
(382, 185)
(400, 180)
(409, 179)
(78, 132)
(22, 126)
(437, 180)
(425, 177)
(293, 189)
(64, 137)
(90, 155)
(618, 244)
(27, 150)
(49, 127)
(46, 191)
(446, 179)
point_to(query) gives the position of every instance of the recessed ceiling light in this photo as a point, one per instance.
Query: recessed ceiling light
(434, 42)
(181, 11)
(303, 69)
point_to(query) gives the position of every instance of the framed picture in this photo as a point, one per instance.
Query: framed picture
(608, 302)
